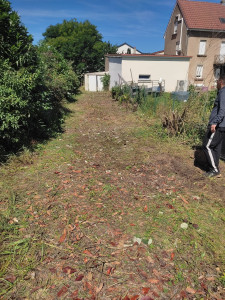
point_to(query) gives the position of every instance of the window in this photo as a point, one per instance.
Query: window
(222, 20)
(177, 48)
(175, 25)
(217, 73)
(222, 48)
(144, 77)
(199, 71)
(176, 21)
(128, 51)
(202, 47)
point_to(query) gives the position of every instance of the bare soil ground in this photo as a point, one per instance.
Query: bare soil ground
(109, 211)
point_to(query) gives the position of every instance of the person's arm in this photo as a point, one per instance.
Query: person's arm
(221, 113)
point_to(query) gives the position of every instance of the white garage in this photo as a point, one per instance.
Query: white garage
(93, 81)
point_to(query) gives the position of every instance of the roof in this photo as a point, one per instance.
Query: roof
(147, 55)
(128, 46)
(98, 73)
(156, 53)
(202, 15)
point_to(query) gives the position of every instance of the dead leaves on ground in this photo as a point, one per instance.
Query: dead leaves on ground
(91, 254)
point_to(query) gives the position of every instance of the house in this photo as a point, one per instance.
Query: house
(148, 70)
(127, 49)
(197, 29)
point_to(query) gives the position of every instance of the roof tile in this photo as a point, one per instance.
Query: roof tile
(202, 15)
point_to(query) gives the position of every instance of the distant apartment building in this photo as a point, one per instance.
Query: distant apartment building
(197, 29)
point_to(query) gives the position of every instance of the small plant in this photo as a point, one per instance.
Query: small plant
(106, 81)
(141, 95)
(116, 92)
(222, 279)
(174, 122)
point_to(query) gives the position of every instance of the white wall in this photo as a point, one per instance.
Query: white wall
(99, 83)
(93, 82)
(115, 71)
(170, 69)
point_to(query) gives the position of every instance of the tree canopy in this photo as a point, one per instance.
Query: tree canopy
(81, 43)
(15, 42)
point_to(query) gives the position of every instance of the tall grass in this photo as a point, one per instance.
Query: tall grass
(186, 120)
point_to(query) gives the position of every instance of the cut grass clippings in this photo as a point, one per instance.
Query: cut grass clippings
(108, 210)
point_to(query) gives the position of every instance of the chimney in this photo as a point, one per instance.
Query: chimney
(222, 2)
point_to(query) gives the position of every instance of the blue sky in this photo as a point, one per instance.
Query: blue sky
(140, 23)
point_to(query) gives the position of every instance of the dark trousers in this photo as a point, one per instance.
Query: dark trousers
(212, 144)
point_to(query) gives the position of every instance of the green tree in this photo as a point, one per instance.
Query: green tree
(15, 42)
(81, 43)
(33, 83)
(59, 75)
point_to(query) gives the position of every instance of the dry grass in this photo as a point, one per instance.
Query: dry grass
(70, 213)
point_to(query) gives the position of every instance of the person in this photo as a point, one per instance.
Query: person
(212, 142)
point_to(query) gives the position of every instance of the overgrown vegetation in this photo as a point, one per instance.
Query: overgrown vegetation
(33, 83)
(105, 81)
(186, 119)
(80, 43)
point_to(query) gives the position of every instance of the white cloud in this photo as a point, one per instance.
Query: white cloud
(116, 16)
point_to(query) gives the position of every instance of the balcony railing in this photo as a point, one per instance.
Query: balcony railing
(219, 59)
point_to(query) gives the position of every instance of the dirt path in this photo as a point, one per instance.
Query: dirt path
(112, 213)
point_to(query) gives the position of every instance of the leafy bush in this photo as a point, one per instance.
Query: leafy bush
(15, 95)
(33, 84)
(188, 120)
(140, 95)
(116, 92)
(24, 101)
(122, 93)
(59, 75)
(106, 81)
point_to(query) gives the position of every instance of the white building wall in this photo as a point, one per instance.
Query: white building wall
(93, 81)
(169, 69)
(115, 71)
(99, 83)
(123, 49)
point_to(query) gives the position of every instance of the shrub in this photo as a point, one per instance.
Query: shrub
(15, 104)
(31, 101)
(33, 83)
(59, 75)
(106, 81)
(187, 120)
(116, 92)
(140, 95)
